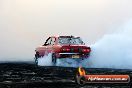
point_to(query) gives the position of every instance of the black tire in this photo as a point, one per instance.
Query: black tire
(36, 61)
(36, 58)
(53, 58)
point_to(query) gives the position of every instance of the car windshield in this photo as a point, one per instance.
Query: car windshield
(70, 40)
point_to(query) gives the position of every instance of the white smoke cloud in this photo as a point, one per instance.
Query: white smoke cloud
(45, 61)
(68, 62)
(113, 50)
(63, 62)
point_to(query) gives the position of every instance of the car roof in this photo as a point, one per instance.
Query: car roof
(64, 36)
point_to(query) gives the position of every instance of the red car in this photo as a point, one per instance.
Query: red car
(63, 47)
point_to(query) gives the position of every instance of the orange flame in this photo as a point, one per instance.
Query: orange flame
(81, 71)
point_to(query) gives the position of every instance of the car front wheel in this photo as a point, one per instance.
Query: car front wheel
(54, 58)
(36, 58)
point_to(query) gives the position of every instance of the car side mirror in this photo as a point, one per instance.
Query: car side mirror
(46, 44)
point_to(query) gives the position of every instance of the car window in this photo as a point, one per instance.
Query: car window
(53, 41)
(70, 40)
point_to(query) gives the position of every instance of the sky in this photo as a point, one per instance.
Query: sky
(25, 24)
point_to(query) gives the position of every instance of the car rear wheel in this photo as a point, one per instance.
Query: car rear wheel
(54, 58)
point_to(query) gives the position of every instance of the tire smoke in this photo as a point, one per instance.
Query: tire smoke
(68, 62)
(45, 61)
(63, 62)
(113, 50)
